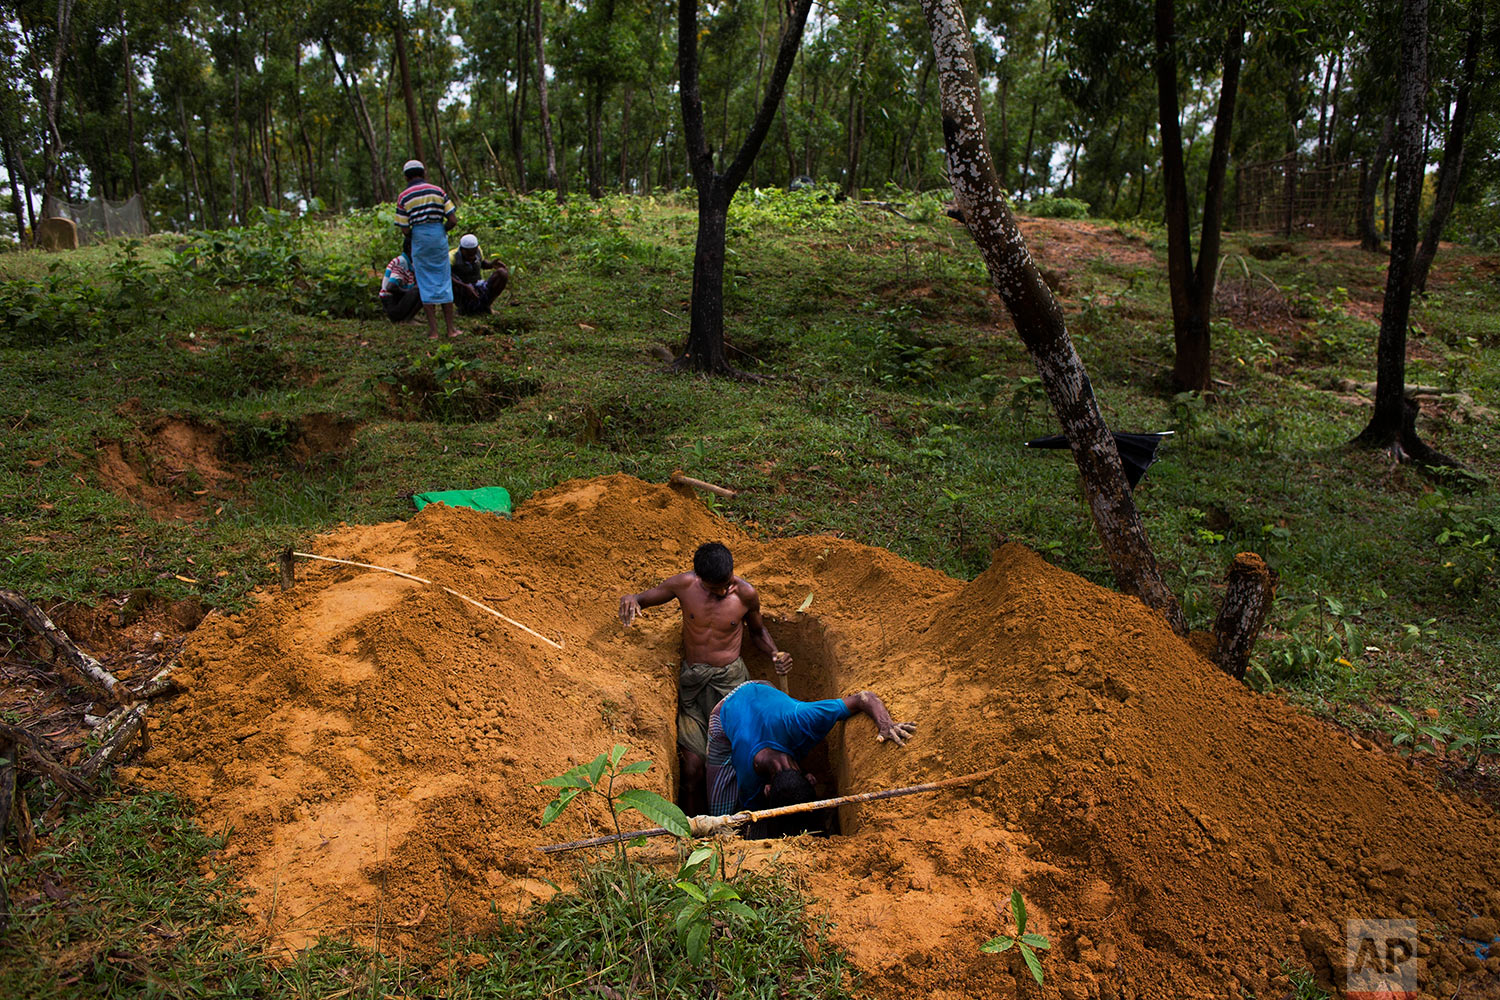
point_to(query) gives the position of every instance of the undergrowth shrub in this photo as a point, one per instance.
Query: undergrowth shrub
(1049, 207)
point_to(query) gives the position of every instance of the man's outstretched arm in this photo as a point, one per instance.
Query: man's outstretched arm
(885, 729)
(631, 604)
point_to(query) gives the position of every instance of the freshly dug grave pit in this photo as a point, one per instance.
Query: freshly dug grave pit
(373, 745)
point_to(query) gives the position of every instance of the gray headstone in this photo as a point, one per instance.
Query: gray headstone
(57, 234)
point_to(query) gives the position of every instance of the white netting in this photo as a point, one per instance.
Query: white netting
(98, 219)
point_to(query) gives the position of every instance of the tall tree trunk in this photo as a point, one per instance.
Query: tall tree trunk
(208, 171)
(1450, 168)
(309, 179)
(554, 182)
(356, 99)
(1369, 183)
(1038, 317)
(52, 142)
(190, 158)
(1192, 289)
(234, 134)
(414, 120)
(593, 102)
(625, 139)
(704, 350)
(518, 102)
(135, 159)
(15, 191)
(1393, 424)
(1031, 127)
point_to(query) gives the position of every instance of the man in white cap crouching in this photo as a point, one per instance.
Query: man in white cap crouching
(473, 292)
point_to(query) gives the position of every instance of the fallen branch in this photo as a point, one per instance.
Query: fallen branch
(85, 666)
(678, 479)
(446, 590)
(133, 722)
(161, 681)
(40, 752)
(708, 825)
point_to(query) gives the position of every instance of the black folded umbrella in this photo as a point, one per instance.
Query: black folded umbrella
(1137, 451)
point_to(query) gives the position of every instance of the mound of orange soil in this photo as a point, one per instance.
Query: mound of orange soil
(373, 744)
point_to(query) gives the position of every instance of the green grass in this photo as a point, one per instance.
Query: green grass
(129, 899)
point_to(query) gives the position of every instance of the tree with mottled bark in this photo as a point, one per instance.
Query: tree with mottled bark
(1393, 424)
(704, 351)
(1037, 315)
(1192, 285)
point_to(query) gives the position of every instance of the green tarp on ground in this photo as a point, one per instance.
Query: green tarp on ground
(495, 499)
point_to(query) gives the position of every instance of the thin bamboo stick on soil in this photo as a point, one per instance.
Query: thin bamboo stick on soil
(716, 823)
(447, 590)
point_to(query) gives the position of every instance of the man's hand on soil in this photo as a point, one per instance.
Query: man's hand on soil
(897, 733)
(782, 661)
(629, 608)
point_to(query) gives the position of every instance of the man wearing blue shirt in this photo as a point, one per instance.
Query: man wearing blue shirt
(757, 737)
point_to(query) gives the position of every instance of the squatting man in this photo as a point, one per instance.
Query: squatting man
(740, 743)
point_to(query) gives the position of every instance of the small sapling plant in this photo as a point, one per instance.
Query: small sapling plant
(591, 777)
(706, 903)
(1027, 943)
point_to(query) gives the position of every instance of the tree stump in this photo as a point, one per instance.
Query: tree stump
(1250, 589)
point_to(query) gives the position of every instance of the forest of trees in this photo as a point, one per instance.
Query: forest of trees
(217, 109)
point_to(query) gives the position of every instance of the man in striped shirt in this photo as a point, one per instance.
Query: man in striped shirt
(425, 213)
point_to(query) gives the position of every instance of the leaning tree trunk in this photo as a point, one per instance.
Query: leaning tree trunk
(1450, 169)
(1392, 426)
(1038, 317)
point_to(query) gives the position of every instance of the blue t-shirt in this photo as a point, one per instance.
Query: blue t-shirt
(758, 716)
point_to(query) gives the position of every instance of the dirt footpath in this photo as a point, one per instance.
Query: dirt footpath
(373, 745)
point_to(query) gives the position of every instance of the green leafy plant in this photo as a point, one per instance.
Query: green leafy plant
(708, 901)
(1026, 943)
(598, 777)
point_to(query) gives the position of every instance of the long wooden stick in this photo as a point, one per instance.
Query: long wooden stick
(750, 816)
(679, 479)
(75, 659)
(448, 590)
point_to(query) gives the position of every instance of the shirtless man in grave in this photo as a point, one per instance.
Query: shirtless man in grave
(718, 608)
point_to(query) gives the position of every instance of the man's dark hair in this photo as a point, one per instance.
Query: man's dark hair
(713, 563)
(789, 788)
(415, 174)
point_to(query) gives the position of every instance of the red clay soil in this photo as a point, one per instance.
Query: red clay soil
(373, 745)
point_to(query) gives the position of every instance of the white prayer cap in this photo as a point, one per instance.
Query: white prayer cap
(413, 165)
(469, 241)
